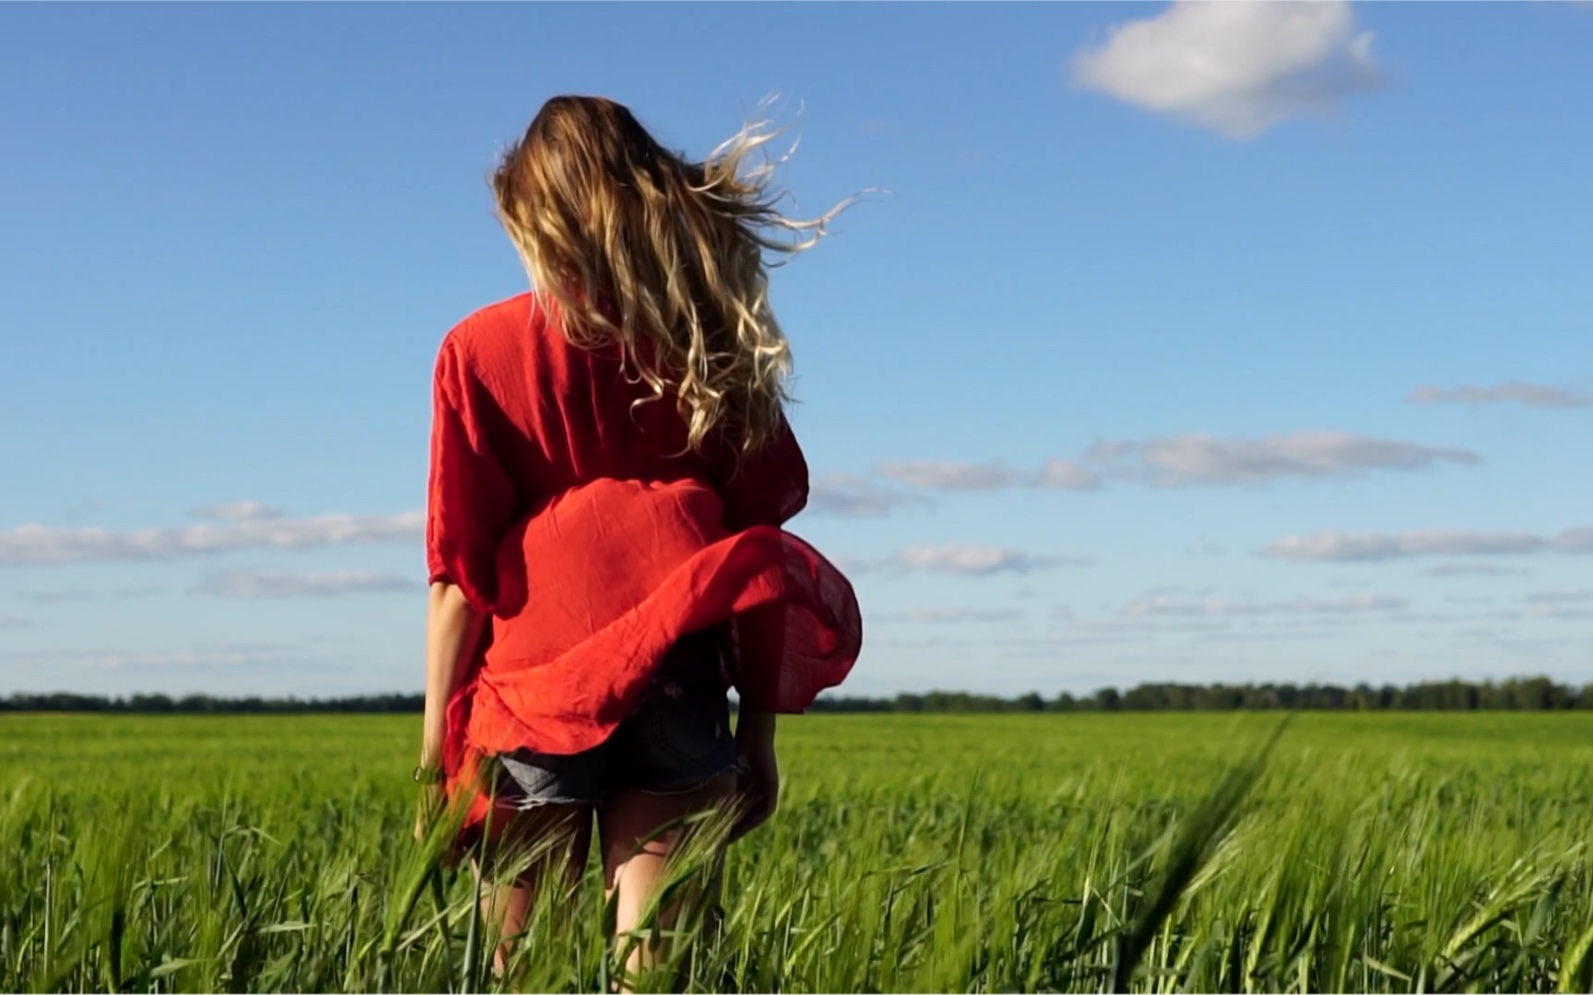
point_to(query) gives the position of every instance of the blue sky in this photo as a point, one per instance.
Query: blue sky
(1224, 342)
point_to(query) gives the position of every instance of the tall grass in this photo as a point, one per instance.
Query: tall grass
(920, 853)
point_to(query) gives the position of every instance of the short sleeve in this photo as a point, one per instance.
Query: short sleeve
(469, 497)
(766, 487)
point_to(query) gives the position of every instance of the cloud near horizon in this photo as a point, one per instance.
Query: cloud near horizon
(847, 495)
(1341, 546)
(961, 560)
(237, 511)
(37, 544)
(72, 595)
(221, 654)
(948, 615)
(948, 475)
(1237, 69)
(250, 584)
(1199, 459)
(1516, 392)
(1162, 605)
(1559, 597)
(1191, 459)
(1470, 570)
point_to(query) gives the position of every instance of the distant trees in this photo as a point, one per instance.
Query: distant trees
(206, 704)
(1521, 694)
(1534, 694)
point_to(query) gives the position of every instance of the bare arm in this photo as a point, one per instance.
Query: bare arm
(453, 632)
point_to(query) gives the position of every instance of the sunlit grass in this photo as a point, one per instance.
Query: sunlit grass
(927, 853)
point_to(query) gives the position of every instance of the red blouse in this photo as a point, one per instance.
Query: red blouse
(595, 537)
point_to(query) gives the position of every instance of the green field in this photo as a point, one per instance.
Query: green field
(1389, 852)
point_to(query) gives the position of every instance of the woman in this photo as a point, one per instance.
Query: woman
(610, 468)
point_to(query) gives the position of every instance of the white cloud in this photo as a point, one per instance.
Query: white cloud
(948, 475)
(55, 597)
(1563, 611)
(237, 511)
(1061, 474)
(117, 661)
(960, 559)
(1194, 458)
(1470, 570)
(1531, 395)
(1199, 459)
(38, 544)
(1162, 605)
(271, 584)
(849, 496)
(1559, 597)
(1234, 68)
(1574, 541)
(1165, 590)
(936, 615)
(224, 654)
(1429, 542)
(1137, 626)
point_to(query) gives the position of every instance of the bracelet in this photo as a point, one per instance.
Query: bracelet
(428, 775)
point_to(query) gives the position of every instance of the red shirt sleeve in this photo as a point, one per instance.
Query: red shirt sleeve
(470, 499)
(767, 487)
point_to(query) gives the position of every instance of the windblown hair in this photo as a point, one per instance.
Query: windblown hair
(665, 256)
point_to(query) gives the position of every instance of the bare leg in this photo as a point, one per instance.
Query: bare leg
(567, 829)
(637, 868)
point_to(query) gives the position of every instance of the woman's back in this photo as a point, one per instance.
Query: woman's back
(521, 416)
(559, 415)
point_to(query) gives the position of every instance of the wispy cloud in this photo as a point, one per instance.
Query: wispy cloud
(932, 616)
(1430, 542)
(959, 559)
(272, 584)
(1531, 395)
(1559, 597)
(1191, 459)
(38, 544)
(1201, 460)
(1233, 68)
(1470, 570)
(1577, 613)
(948, 475)
(1162, 605)
(237, 511)
(848, 495)
(72, 595)
(1066, 475)
(223, 654)
(13, 622)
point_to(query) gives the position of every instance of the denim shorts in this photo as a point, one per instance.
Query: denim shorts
(676, 738)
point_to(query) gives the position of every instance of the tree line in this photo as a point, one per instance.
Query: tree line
(1530, 694)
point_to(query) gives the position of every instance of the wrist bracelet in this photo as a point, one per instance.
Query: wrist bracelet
(428, 775)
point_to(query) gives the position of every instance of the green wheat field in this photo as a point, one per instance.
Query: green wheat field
(1075, 852)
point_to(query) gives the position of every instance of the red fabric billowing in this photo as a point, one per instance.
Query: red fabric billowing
(595, 538)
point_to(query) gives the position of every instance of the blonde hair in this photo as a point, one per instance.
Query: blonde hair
(665, 256)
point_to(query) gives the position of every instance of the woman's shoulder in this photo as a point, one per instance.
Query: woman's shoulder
(510, 317)
(500, 333)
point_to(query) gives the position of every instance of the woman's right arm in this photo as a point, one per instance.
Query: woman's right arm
(453, 634)
(470, 500)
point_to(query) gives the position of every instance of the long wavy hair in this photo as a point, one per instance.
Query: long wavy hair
(643, 247)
